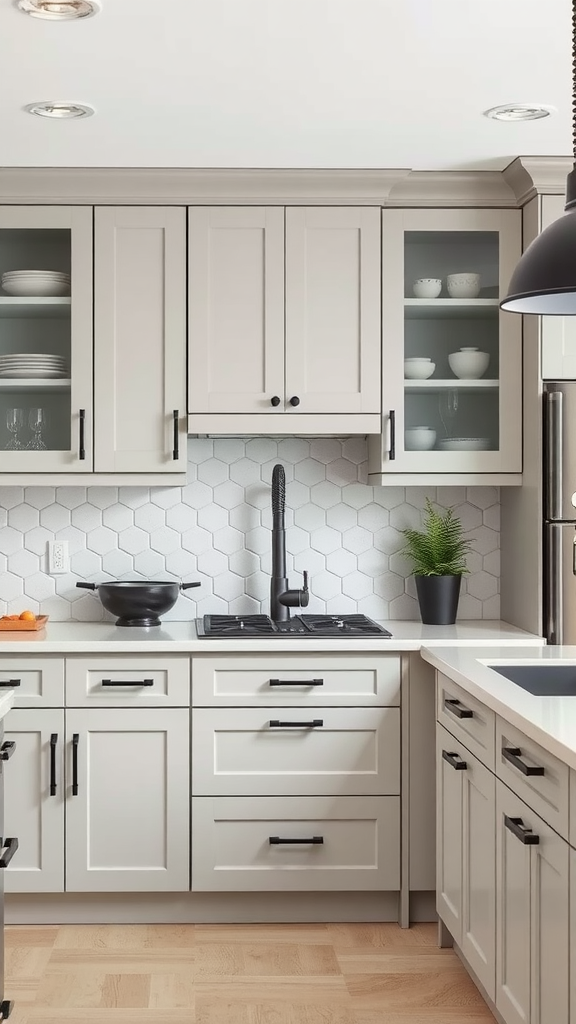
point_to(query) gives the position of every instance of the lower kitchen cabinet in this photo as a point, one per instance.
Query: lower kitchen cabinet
(532, 977)
(34, 800)
(127, 800)
(465, 858)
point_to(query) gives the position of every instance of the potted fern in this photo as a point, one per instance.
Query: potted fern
(438, 555)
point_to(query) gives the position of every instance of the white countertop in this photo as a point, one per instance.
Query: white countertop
(549, 721)
(180, 637)
(6, 702)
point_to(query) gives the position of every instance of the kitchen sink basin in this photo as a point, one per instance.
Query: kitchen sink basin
(541, 680)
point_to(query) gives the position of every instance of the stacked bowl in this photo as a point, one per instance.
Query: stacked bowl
(43, 283)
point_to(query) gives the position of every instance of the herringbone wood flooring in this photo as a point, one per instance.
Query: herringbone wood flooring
(237, 974)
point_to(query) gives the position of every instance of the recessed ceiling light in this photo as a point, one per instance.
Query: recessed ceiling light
(59, 10)
(519, 111)
(59, 110)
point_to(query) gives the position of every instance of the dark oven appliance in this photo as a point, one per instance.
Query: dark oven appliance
(299, 627)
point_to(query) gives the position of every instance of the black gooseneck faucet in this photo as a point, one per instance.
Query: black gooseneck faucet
(281, 597)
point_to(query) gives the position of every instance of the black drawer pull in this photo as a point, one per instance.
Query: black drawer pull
(521, 831)
(456, 708)
(454, 761)
(392, 449)
(75, 742)
(316, 723)
(7, 749)
(10, 845)
(296, 682)
(127, 682)
(53, 742)
(176, 446)
(312, 841)
(9, 684)
(512, 754)
(82, 428)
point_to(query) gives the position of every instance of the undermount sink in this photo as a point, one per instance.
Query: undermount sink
(541, 680)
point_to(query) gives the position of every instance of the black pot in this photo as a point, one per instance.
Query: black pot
(137, 603)
(438, 598)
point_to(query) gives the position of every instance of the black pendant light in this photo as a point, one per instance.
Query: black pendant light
(544, 281)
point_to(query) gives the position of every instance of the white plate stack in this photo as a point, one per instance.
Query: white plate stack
(43, 283)
(465, 444)
(33, 365)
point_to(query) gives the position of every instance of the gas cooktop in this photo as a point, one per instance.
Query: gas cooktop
(299, 626)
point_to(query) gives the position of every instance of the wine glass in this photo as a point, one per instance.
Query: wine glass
(37, 421)
(14, 422)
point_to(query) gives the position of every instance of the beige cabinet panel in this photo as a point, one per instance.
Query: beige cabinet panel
(338, 843)
(467, 719)
(37, 680)
(127, 819)
(236, 309)
(478, 940)
(34, 800)
(546, 790)
(333, 330)
(287, 751)
(450, 768)
(123, 680)
(140, 339)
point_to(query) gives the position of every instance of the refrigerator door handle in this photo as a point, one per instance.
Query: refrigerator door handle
(554, 454)
(574, 556)
(554, 584)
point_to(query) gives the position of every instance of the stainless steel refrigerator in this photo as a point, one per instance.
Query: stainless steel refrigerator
(559, 422)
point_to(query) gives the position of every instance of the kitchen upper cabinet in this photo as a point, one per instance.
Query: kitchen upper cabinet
(451, 360)
(284, 319)
(140, 339)
(46, 408)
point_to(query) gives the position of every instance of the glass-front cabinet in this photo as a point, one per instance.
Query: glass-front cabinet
(452, 361)
(45, 339)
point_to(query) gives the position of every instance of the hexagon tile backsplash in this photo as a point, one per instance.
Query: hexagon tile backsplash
(217, 530)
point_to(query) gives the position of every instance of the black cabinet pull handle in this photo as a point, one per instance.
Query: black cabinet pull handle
(7, 749)
(316, 723)
(392, 450)
(512, 754)
(312, 841)
(53, 742)
(295, 682)
(454, 761)
(10, 845)
(456, 708)
(82, 426)
(75, 742)
(275, 401)
(521, 831)
(8, 684)
(295, 400)
(127, 682)
(176, 448)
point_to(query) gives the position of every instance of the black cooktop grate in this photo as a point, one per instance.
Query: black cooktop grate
(299, 626)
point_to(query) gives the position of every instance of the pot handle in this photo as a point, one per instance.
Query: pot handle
(87, 586)
(186, 586)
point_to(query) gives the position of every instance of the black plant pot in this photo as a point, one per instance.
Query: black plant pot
(438, 598)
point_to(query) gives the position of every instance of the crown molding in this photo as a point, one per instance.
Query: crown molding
(452, 188)
(529, 176)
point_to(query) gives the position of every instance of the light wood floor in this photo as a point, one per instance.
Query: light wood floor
(237, 974)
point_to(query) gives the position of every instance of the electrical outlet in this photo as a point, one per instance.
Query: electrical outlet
(58, 558)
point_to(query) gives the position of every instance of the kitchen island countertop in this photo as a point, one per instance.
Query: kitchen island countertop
(180, 637)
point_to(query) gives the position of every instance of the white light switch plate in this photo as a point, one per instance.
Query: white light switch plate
(58, 557)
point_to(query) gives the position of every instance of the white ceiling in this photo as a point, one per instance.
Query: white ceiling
(287, 83)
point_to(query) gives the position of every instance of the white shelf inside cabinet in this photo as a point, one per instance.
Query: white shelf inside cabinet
(444, 309)
(35, 306)
(434, 386)
(34, 384)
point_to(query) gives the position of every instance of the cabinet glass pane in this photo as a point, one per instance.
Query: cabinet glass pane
(35, 339)
(451, 341)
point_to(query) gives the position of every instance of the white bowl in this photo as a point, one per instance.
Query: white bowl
(418, 367)
(463, 286)
(468, 363)
(427, 287)
(464, 444)
(419, 439)
(35, 286)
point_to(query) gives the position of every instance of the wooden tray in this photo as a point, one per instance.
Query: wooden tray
(20, 625)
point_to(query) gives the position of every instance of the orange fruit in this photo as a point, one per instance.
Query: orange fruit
(28, 616)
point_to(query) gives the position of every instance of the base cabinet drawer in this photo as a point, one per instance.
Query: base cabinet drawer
(37, 681)
(125, 681)
(295, 844)
(534, 774)
(466, 718)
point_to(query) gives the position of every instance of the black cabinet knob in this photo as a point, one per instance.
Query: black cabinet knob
(295, 400)
(275, 400)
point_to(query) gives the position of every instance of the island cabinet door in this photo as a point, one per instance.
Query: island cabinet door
(450, 767)
(478, 942)
(34, 800)
(128, 798)
(573, 933)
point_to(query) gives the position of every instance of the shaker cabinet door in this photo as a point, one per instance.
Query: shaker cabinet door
(140, 339)
(450, 757)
